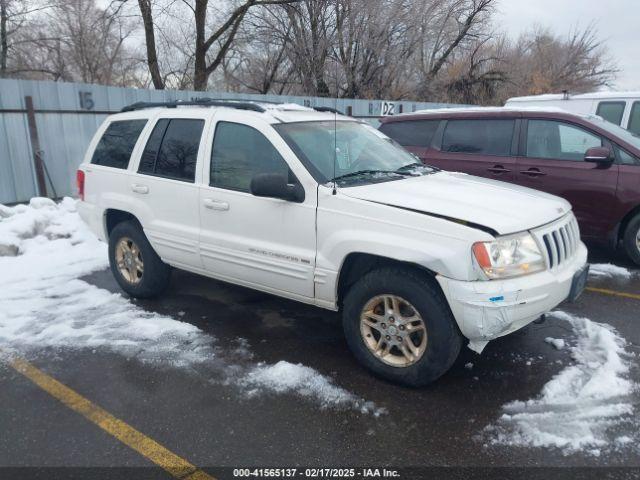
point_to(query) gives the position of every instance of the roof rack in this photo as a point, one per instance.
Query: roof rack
(253, 105)
(200, 102)
(328, 109)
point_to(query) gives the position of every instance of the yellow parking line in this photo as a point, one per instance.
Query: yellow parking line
(614, 293)
(145, 446)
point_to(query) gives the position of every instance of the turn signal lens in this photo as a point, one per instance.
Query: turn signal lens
(482, 256)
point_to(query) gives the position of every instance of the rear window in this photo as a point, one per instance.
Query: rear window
(611, 111)
(172, 149)
(411, 133)
(484, 137)
(115, 147)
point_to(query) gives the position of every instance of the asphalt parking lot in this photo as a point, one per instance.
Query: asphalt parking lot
(197, 414)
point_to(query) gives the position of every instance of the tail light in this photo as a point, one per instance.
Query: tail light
(80, 182)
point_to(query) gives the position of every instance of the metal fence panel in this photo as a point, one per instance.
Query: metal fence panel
(17, 182)
(68, 114)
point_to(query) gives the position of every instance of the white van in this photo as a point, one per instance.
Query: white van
(621, 108)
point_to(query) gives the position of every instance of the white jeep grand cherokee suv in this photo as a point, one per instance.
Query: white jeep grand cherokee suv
(323, 209)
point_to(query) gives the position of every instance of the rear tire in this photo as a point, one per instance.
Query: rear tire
(134, 263)
(384, 301)
(632, 239)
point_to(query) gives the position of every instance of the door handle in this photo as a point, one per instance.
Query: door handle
(533, 172)
(498, 169)
(215, 204)
(139, 188)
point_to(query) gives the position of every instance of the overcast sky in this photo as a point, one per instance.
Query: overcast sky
(617, 21)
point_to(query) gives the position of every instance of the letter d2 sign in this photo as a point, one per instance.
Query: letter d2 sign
(388, 108)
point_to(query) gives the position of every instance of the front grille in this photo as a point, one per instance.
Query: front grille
(560, 240)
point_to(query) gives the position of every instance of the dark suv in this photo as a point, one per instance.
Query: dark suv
(592, 163)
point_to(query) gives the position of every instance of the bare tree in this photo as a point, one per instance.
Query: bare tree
(476, 76)
(4, 40)
(74, 40)
(312, 30)
(14, 14)
(542, 62)
(442, 50)
(150, 37)
(444, 27)
(258, 60)
(373, 46)
(205, 60)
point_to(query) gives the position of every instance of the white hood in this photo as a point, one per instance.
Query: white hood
(503, 207)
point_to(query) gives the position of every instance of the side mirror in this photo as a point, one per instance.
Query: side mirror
(275, 185)
(600, 155)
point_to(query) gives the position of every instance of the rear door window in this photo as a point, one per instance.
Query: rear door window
(411, 133)
(172, 149)
(558, 140)
(611, 111)
(482, 137)
(634, 119)
(115, 147)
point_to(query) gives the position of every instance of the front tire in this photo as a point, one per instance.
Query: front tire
(134, 263)
(398, 325)
(632, 240)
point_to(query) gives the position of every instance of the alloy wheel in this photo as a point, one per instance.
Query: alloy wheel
(129, 260)
(393, 330)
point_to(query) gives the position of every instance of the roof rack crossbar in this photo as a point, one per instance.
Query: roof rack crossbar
(200, 102)
(328, 109)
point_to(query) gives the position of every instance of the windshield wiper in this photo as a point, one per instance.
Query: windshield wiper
(368, 172)
(410, 166)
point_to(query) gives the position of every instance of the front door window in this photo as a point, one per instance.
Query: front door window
(559, 141)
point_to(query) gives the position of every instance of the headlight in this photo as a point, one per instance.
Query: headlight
(509, 256)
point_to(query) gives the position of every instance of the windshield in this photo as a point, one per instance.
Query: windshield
(350, 152)
(616, 130)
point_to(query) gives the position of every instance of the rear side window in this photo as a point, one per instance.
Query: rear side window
(611, 111)
(239, 153)
(559, 141)
(411, 133)
(634, 119)
(172, 149)
(115, 147)
(484, 137)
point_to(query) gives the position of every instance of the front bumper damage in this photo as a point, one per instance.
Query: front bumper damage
(485, 310)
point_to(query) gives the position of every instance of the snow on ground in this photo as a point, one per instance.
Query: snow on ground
(608, 270)
(558, 343)
(45, 248)
(285, 377)
(45, 305)
(582, 406)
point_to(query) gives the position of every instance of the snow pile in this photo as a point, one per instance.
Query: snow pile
(285, 377)
(608, 270)
(581, 407)
(45, 305)
(41, 218)
(286, 106)
(558, 343)
(45, 248)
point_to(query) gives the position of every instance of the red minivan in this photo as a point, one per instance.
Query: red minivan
(592, 163)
